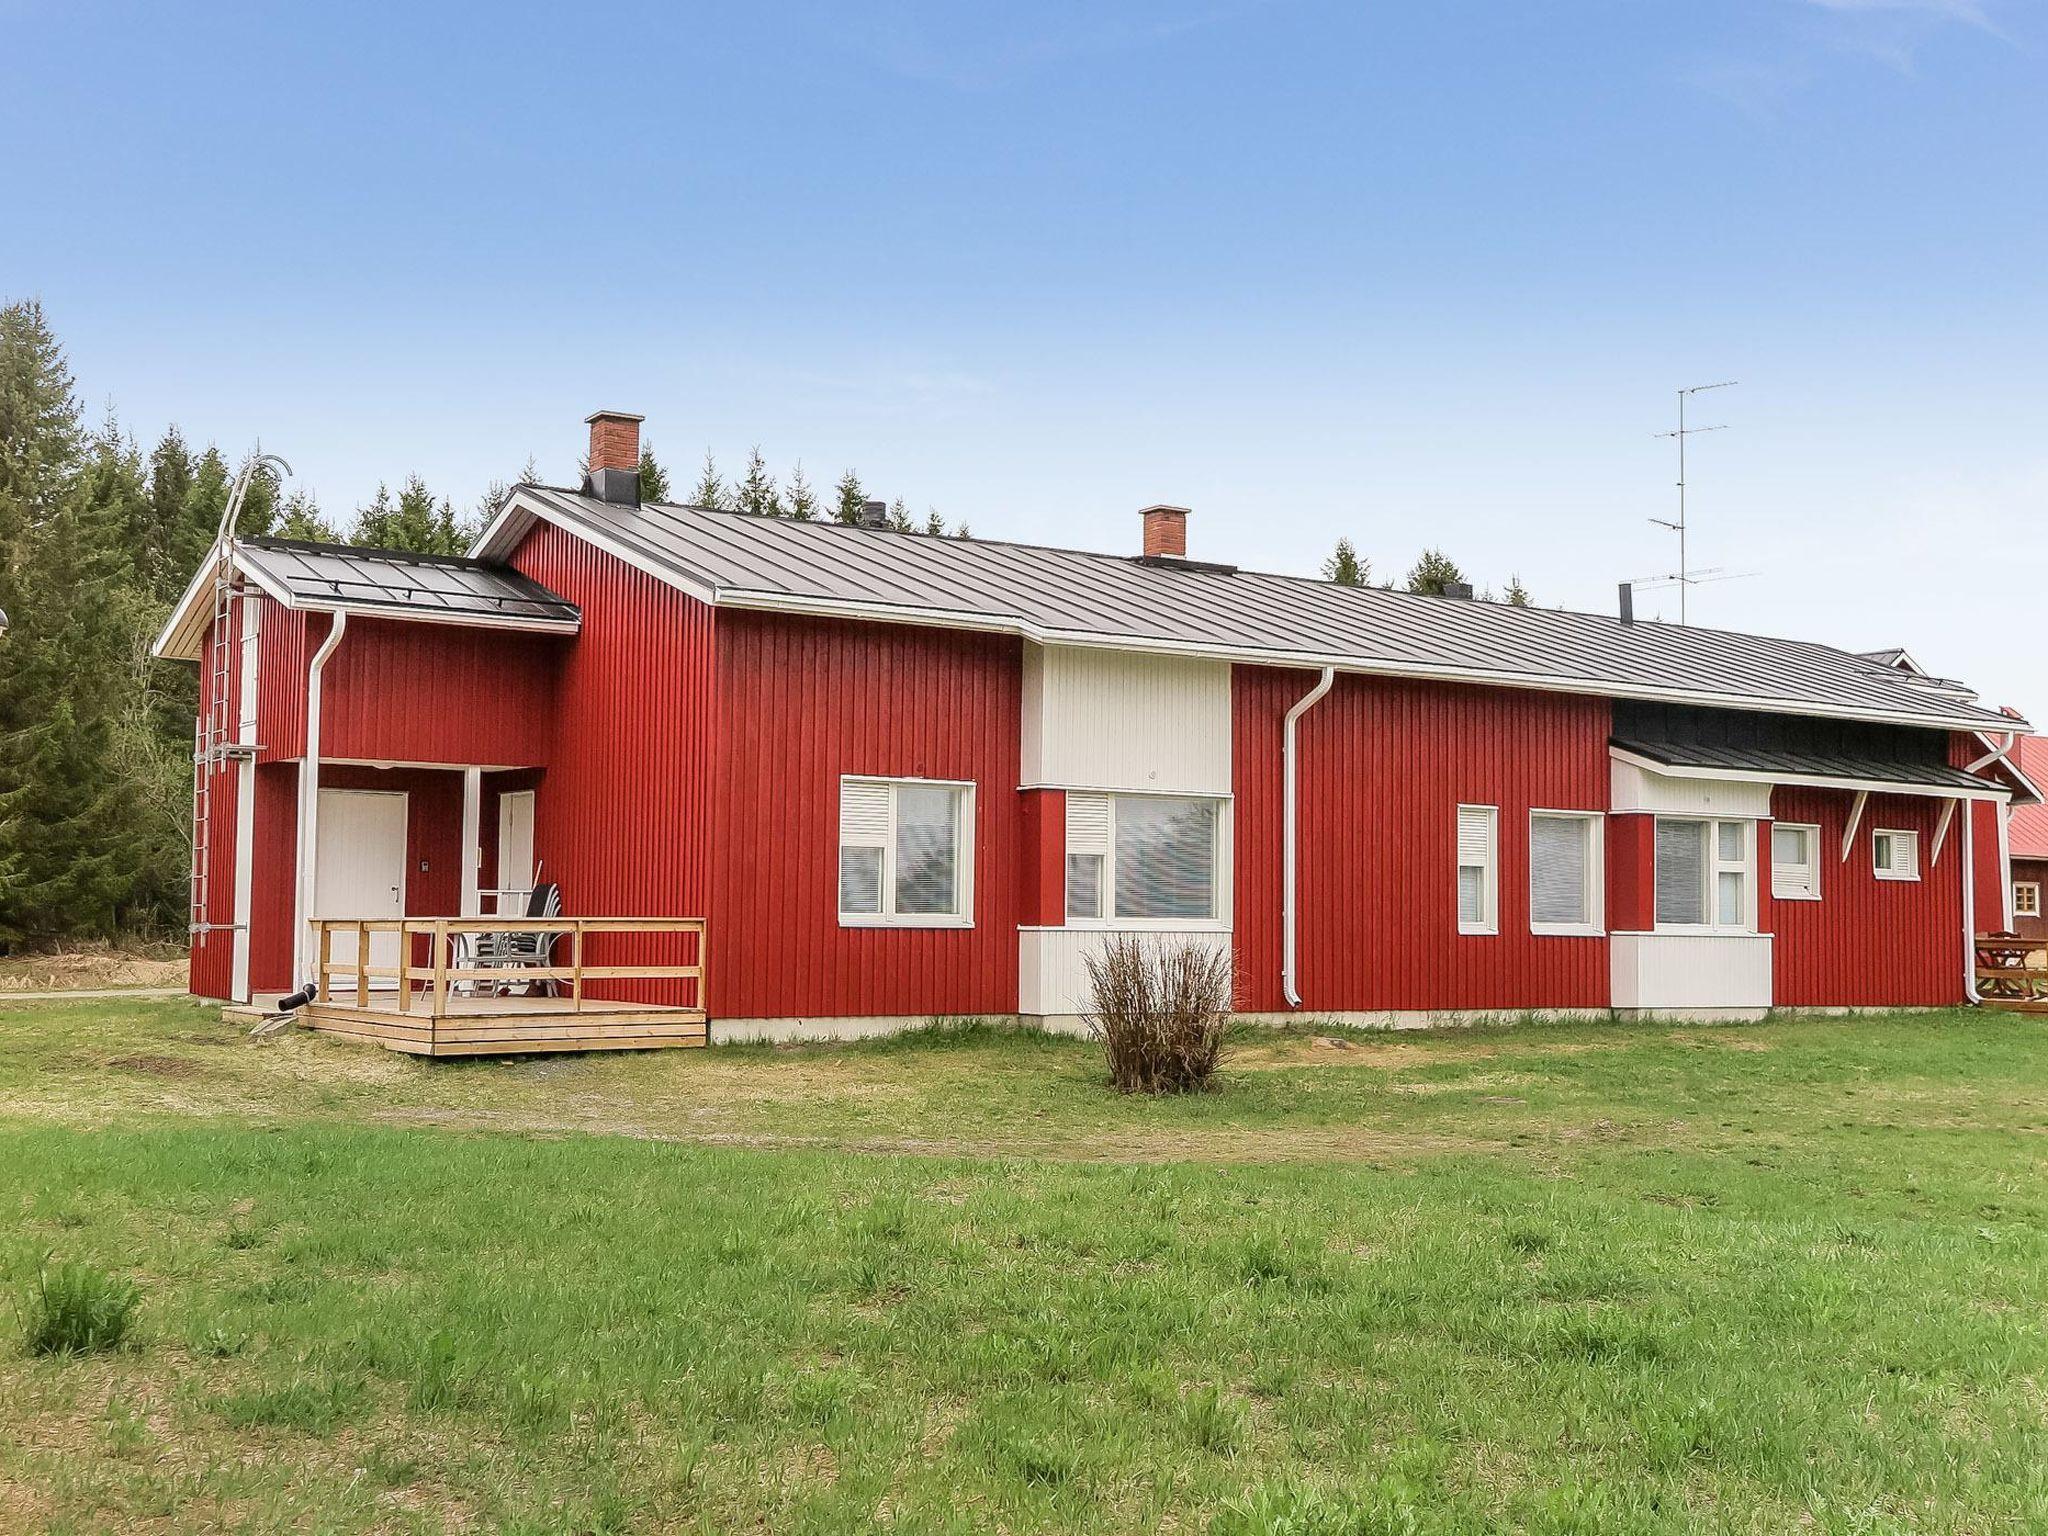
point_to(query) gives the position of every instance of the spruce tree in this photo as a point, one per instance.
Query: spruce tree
(416, 522)
(803, 501)
(1432, 573)
(934, 524)
(1517, 595)
(301, 519)
(848, 498)
(710, 491)
(899, 517)
(170, 482)
(1345, 568)
(756, 494)
(653, 478)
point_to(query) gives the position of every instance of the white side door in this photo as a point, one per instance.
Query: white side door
(515, 847)
(360, 870)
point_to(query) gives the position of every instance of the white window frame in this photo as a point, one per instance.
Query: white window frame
(2034, 888)
(1884, 870)
(1596, 875)
(1489, 923)
(1808, 874)
(1716, 866)
(1218, 922)
(888, 917)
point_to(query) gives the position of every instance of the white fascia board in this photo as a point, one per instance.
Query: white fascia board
(1807, 780)
(441, 616)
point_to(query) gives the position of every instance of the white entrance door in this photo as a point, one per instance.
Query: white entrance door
(360, 868)
(515, 848)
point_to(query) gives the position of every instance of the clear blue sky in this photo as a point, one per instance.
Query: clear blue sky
(1417, 273)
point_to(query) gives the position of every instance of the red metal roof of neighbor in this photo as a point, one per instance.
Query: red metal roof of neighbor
(1076, 597)
(2030, 822)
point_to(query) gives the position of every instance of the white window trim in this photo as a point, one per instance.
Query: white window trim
(1812, 868)
(1883, 872)
(964, 868)
(1716, 867)
(1595, 925)
(2026, 885)
(1109, 921)
(1490, 924)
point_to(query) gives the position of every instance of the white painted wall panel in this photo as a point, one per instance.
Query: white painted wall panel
(1052, 976)
(1638, 789)
(1116, 720)
(1691, 971)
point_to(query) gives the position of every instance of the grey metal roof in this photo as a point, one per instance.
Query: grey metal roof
(1080, 597)
(400, 582)
(1815, 765)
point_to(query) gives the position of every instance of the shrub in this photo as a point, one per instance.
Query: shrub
(75, 1309)
(1160, 1010)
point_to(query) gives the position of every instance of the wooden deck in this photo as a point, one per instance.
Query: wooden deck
(431, 1004)
(2007, 977)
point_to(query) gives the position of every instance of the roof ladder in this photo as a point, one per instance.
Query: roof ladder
(216, 733)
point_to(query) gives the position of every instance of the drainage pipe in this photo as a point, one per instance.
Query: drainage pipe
(309, 802)
(1289, 772)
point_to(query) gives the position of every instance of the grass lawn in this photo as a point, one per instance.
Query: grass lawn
(1790, 1276)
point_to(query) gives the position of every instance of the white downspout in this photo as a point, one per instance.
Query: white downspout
(309, 806)
(1288, 772)
(1970, 903)
(1996, 754)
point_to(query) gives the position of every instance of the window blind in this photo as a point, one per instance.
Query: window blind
(1560, 868)
(1165, 857)
(1681, 871)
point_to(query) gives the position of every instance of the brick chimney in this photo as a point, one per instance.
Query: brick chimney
(614, 473)
(1166, 531)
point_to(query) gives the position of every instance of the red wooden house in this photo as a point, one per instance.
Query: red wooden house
(899, 776)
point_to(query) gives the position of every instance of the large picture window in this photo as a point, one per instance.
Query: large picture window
(1703, 875)
(906, 853)
(1147, 859)
(1564, 872)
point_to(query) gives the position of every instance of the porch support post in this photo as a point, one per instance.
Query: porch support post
(472, 838)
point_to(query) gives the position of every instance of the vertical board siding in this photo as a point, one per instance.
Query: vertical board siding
(273, 886)
(1631, 873)
(398, 691)
(211, 960)
(622, 814)
(1112, 720)
(1869, 942)
(437, 693)
(2036, 871)
(1042, 858)
(1383, 765)
(802, 702)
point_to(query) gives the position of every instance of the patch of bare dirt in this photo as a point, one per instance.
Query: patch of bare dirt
(78, 970)
(1394, 1055)
(1720, 1042)
(158, 1066)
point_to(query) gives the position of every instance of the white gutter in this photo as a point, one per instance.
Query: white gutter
(309, 805)
(1287, 896)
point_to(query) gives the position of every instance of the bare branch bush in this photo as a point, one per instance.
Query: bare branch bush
(1161, 1009)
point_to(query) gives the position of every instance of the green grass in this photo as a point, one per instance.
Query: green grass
(1558, 1279)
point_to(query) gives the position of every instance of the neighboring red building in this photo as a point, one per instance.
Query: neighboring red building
(903, 776)
(2028, 848)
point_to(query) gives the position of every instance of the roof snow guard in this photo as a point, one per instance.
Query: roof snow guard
(377, 583)
(1071, 597)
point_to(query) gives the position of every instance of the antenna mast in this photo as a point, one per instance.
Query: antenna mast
(1685, 577)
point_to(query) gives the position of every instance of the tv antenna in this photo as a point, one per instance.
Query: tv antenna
(1685, 576)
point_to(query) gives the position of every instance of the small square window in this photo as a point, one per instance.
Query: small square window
(2026, 898)
(906, 853)
(1795, 862)
(1895, 855)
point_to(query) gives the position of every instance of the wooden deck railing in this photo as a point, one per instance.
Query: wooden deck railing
(344, 946)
